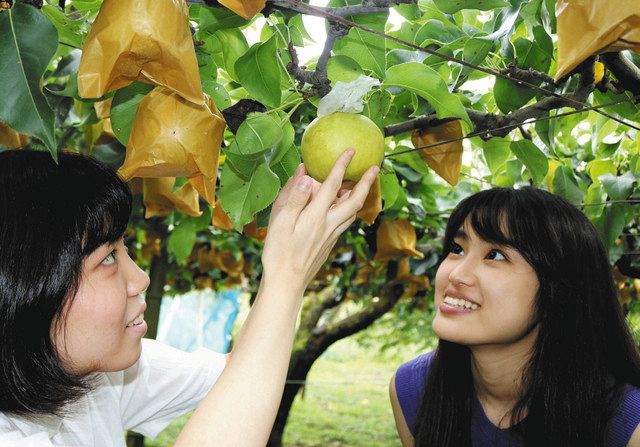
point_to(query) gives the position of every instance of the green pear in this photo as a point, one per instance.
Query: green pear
(329, 136)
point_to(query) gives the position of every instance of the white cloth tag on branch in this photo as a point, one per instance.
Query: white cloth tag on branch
(347, 96)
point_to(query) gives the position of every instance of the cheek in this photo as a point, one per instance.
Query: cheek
(442, 279)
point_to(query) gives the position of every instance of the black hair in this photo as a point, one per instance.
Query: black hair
(584, 352)
(52, 215)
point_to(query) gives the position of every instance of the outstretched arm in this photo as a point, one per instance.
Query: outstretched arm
(242, 405)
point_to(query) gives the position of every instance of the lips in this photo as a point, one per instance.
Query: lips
(457, 295)
(139, 318)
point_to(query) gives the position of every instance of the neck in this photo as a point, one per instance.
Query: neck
(497, 374)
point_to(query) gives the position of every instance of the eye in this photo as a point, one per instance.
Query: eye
(496, 255)
(110, 259)
(456, 249)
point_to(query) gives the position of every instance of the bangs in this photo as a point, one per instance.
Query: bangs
(105, 213)
(105, 218)
(496, 216)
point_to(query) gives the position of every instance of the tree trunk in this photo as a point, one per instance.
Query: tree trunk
(321, 338)
(153, 297)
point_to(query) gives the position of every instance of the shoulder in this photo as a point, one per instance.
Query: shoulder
(624, 425)
(409, 385)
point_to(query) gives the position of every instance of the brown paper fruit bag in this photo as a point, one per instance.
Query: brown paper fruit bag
(588, 27)
(160, 199)
(171, 137)
(396, 238)
(144, 40)
(244, 8)
(445, 159)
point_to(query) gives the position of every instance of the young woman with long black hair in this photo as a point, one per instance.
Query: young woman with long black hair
(534, 349)
(75, 370)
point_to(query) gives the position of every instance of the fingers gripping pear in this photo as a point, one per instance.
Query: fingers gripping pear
(329, 136)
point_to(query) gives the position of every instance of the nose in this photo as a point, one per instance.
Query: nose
(462, 272)
(137, 280)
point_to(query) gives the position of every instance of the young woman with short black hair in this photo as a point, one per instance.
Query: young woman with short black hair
(74, 368)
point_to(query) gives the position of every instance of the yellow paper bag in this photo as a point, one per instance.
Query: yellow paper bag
(144, 40)
(373, 204)
(244, 8)
(12, 139)
(588, 27)
(160, 199)
(446, 159)
(396, 238)
(171, 137)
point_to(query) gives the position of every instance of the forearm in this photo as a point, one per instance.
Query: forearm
(241, 407)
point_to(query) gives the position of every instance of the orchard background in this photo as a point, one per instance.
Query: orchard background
(201, 106)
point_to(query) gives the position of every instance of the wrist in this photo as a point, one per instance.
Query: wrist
(282, 283)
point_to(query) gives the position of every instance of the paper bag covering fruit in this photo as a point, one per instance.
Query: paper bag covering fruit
(10, 138)
(244, 8)
(171, 137)
(373, 204)
(160, 199)
(588, 27)
(395, 238)
(144, 40)
(444, 159)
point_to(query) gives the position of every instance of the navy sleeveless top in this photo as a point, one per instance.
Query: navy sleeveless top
(409, 385)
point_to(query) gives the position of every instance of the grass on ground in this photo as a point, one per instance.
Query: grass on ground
(345, 402)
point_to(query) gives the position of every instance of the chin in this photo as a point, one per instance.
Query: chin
(449, 332)
(124, 360)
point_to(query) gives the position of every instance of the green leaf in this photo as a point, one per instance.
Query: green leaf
(598, 168)
(29, 41)
(366, 48)
(257, 134)
(183, 236)
(475, 51)
(124, 107)
(533, 158)
(180, 243)
(566, 185)
(594, 201)
(284, 145)
(243, 165)
(343, 68)
(611, 223)
(286, 165)
(453, 6)
(427, 83)
(620, 187)
(259, 73)
(227, 46)
(390, 189)
(70, 32)
(214, 19)
(377, 107)
(241, 199)
(496, 152)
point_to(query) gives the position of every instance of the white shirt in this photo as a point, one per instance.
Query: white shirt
(162, 385)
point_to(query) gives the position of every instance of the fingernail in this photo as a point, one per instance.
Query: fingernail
(375, 170)
(304, 184)
(299, 170)
(350, 151)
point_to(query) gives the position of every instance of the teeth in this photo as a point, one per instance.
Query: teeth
(138, 321)
(460, 303)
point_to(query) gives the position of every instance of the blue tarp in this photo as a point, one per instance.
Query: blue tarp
(202, 318)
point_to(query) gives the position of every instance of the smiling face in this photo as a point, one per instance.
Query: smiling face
(485, 293)
(103, 322)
